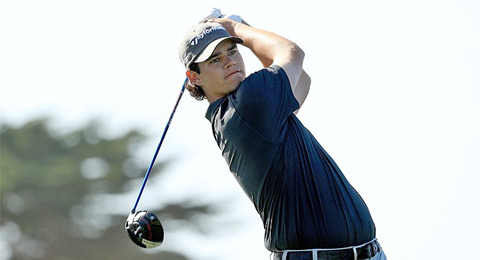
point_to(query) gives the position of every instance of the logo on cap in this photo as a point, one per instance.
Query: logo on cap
(197, 38)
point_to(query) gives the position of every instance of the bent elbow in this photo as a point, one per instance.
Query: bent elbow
(297, 52)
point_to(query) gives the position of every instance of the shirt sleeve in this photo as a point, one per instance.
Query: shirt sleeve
(265, 100)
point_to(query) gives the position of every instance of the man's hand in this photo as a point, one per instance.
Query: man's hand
(233, 17)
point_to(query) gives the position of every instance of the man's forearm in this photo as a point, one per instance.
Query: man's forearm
(268, 47)
(271, 48)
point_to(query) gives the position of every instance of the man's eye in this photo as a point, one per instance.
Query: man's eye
(232, 52)
(214, 60)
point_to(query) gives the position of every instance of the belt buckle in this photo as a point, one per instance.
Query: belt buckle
(370, 249)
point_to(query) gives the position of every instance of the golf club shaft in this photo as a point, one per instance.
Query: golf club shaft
(158, 147)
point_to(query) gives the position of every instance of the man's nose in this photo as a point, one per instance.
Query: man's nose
(229, 62)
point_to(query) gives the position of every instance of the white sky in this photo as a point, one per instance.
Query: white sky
(394, 99)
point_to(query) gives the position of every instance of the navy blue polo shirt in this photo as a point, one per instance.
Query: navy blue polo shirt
(301, 194)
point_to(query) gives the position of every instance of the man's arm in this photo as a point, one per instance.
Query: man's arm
(301, 89)
(271, 48)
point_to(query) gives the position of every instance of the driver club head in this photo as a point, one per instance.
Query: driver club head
(144, 229)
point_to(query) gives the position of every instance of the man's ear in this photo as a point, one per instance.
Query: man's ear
(193, 77)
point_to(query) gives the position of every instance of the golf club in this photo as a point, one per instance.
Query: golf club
(144, 227)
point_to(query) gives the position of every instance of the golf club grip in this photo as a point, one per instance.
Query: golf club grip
(158, 147)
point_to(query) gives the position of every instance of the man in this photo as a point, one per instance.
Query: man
(309, 209)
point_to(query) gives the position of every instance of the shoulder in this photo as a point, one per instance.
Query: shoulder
(272, 75)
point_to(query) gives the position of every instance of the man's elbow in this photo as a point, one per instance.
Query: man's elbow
(297, 52)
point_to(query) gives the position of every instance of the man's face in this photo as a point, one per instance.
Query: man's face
(223, 72)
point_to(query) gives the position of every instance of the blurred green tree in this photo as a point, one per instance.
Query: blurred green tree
(50, 189)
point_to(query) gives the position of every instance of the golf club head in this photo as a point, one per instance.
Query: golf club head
(144, 229)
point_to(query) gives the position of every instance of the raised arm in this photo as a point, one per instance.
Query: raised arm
(271, 48)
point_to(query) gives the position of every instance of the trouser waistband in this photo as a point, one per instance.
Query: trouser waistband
(364, 251)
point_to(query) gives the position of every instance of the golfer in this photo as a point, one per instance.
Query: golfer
(308, 207)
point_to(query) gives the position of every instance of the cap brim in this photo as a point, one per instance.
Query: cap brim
(207, 52)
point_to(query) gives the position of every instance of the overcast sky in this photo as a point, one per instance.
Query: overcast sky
(395, 99)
